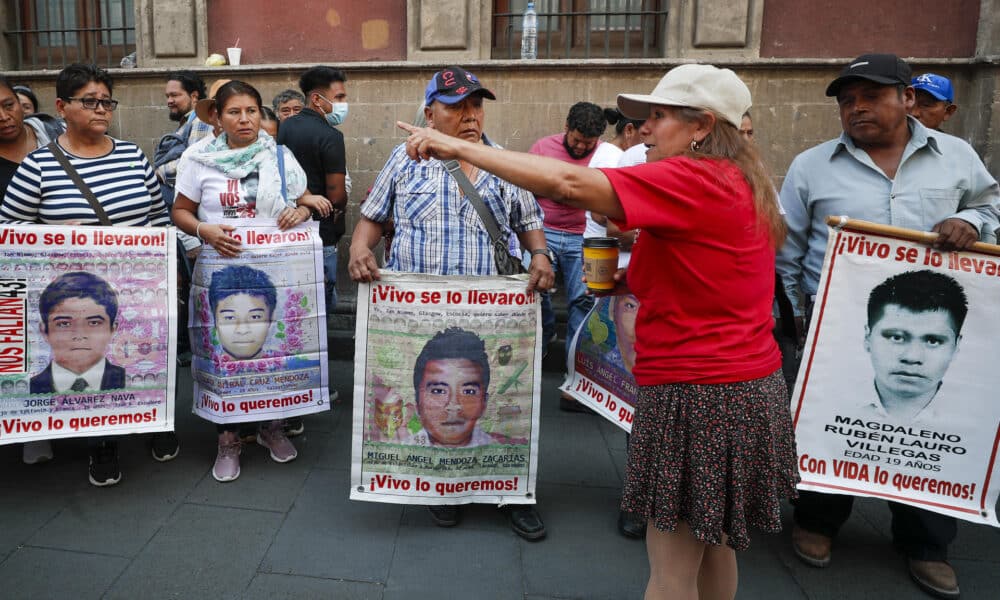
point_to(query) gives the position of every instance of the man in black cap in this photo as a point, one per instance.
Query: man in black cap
(886, 168)
(437, 230)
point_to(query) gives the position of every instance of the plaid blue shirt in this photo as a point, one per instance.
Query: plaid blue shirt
(437, 231)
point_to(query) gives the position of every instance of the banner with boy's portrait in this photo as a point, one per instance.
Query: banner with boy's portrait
(600, 367)
(87, 322)
(896, 394)
(446, 387)
(258, 326)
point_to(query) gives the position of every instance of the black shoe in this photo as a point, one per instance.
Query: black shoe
(445, 516)
(526, 522)
(165, 446)
(104, 464)
(294, 426)
(631, 525)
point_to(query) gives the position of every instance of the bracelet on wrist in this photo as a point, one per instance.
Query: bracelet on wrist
(197, 231)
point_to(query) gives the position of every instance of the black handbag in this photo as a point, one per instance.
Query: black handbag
(506, 263)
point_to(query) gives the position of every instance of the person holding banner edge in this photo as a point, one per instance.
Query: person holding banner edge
(712, 451)
(433, 236)
(42, 191)
(885, 168)
(241, 159)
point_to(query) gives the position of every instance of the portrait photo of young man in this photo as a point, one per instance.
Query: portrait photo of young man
(77, 313)
(912, 335)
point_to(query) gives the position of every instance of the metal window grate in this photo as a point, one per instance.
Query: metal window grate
(50, 34)
(584, 28)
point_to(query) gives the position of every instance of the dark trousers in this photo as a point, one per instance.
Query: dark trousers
(919, 534)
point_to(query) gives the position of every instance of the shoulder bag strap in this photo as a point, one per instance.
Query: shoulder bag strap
(487, 217)
(281, 172)
(57, 152)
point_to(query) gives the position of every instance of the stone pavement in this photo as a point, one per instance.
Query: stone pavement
(288, 531)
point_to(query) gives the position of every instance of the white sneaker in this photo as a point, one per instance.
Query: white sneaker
(36, 452)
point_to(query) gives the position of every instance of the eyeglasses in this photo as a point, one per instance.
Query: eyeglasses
(91, 103)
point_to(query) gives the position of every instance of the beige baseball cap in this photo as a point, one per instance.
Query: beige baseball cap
(696, 86)
(203, 108)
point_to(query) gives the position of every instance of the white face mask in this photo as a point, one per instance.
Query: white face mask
(338, 114)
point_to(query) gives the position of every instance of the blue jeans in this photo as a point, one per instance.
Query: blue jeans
(568, 248)
(330, 276)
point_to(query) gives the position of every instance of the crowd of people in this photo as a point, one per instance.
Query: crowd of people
(682, 186)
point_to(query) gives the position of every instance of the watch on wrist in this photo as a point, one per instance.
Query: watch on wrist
(546, 252)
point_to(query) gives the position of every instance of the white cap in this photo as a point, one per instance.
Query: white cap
(696, 86)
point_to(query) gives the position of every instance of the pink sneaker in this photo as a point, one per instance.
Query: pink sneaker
(227, 462)
(272, 437)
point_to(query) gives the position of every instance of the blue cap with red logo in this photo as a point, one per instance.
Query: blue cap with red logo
(452, 85)
(935, 85)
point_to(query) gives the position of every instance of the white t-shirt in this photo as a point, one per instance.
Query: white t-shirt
(606, 155)
(636, 155)
(217, 196)
(613, 159)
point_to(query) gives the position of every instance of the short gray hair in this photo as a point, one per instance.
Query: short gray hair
(285, 96)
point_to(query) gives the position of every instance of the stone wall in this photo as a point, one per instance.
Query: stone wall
(790, 110)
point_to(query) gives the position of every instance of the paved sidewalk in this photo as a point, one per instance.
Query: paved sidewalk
(288, 531)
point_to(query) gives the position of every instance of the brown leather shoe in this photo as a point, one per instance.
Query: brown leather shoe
(811, 548)
(936, 577)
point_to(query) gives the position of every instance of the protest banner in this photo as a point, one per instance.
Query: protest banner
(600, 367)
(895, 397)
(258, 326)
(87, 321)
(446, 386)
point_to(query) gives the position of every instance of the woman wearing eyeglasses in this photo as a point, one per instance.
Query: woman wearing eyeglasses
(42, 192)
(121, 178)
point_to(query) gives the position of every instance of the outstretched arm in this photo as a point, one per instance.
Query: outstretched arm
(569, 184)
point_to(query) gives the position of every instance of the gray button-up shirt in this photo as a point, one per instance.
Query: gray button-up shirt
(940, 176)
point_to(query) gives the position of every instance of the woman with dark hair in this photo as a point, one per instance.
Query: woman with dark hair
(118, 174)
(245, 159)
(27, 98)
(115, 170)
(712, 451)
(19, 136)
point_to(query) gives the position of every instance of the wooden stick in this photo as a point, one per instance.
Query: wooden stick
(911, 235)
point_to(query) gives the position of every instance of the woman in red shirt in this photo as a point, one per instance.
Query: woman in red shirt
(713, 450)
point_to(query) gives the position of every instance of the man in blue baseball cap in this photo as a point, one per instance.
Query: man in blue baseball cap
(438, 232)
(935, 101)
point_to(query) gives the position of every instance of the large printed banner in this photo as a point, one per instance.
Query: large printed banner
(600, 369)
(87, 321)
(446, 387)
(896, 395)
(258, 326)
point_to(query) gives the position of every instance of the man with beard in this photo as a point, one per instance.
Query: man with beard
(183, 90)
(564, 225)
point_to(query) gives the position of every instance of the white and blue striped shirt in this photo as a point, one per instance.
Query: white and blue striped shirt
(437, 230)
(122, 180)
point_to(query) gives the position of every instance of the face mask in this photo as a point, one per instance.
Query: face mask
(337, 115)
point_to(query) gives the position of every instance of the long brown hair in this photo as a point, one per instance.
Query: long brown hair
(725, 142)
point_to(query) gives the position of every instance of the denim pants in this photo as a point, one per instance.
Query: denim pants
(330, 276)
(568, 249)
